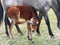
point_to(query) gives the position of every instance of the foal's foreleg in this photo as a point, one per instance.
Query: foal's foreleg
(29, 32)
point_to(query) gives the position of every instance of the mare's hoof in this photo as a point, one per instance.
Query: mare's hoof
(52, 36)
(7, 34)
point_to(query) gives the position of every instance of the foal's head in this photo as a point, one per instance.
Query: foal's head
(34, 24)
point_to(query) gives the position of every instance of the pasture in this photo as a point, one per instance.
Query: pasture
(44, 39)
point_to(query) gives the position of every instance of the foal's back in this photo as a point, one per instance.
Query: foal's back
(26, 12)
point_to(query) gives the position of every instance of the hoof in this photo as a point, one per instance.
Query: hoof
(7, 34)
(52, 37)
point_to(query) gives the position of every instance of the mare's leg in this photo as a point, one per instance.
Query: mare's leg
(40, 18)
(6, 24)
(48, 23)
(18, 29)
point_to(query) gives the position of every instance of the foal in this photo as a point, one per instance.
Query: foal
(25, 12)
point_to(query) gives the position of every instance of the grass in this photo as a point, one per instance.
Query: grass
(44, 39)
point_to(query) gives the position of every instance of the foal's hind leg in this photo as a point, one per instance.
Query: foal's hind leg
(7, 23)
(10, 28)
(48, 23)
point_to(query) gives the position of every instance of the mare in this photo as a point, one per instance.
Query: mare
(25, 12)
(42, 6)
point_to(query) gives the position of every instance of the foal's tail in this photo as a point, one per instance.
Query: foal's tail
(1, 13)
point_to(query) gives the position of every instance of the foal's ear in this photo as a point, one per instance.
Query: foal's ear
(37, 22)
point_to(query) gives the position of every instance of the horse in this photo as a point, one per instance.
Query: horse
(1, 13)
(25, 12)
(31, 3)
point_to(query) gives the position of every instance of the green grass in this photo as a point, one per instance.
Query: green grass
(44, 39)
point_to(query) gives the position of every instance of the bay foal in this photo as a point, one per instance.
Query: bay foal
(26, 12)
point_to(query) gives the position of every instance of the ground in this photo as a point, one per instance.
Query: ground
(44, 39)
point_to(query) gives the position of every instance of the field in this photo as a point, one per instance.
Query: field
(44, 39)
